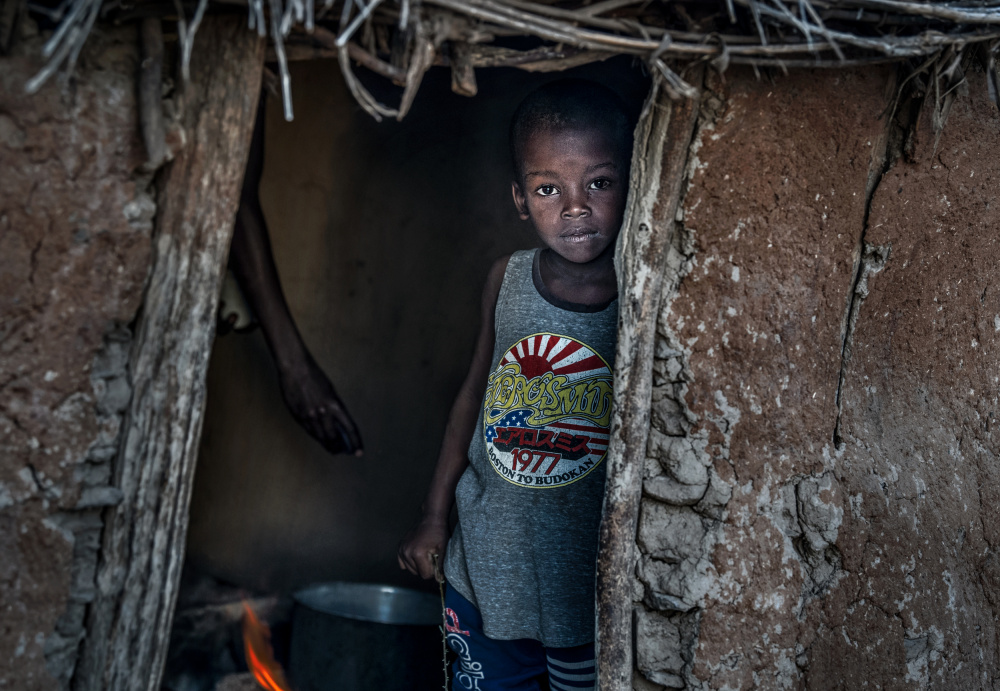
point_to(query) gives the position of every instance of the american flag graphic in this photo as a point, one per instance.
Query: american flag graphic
(561, 451)
(514, 419)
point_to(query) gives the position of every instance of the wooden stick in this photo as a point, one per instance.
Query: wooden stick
(574, 16)
(420, 61)
(187, 40)
(328, 39)
(150, 92)
(493, 11)
(279, 50)
(463, 73)
(346, 34)
(360, 93)
(582, 58)
(606, 6)
(298, 52)
(544, 59)
(989, 15)
(494, 56)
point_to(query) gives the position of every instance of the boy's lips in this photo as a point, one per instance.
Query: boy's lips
(578, 234)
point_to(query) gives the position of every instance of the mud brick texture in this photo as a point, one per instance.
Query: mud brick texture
(820, 491)
(76, 218)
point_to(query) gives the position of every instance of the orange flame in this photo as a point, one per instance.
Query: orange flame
(260, 654)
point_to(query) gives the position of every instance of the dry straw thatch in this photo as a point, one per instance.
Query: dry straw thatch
(402, 39)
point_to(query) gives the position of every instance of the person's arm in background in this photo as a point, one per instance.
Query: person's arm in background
(307, 390)
(430, 535)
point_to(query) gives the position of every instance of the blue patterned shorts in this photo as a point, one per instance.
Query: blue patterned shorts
(485, 664)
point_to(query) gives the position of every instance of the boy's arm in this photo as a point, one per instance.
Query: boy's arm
(430, 535)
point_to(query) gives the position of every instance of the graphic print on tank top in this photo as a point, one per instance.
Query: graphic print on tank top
(547, 411)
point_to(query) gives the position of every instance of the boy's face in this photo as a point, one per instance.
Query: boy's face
(573, 190)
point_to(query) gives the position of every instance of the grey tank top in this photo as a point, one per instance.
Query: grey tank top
(529, 504)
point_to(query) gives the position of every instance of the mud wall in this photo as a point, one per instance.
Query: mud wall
(75, 225)
(819, 499)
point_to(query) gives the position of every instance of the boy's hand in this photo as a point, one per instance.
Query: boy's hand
(430, 536)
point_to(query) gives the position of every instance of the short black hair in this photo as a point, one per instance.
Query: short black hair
(570, 104)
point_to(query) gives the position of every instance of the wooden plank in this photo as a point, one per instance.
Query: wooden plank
(663, 139)
(143, 543)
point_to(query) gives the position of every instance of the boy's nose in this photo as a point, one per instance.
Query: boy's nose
(576, 207)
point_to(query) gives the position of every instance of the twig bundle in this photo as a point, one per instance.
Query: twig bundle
(402, 39)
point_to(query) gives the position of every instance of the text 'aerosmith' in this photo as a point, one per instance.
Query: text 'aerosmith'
(550, 396)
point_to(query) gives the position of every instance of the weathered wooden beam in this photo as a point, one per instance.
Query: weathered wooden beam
(663, 139)
(473, 56)
(142, 547)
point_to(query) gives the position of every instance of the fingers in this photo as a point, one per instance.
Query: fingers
(331, 438)
(311, 399)
(333, 446)
(405, 554)
(320, 429)
(348, 431)
(405, 564)
(425, 566)
(335, 429)
(412, 563)
(420, 562)
(345, 440)
(322, 425)
(354, 436)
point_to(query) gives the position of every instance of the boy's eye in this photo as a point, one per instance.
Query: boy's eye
(600, 184)
(547, 190)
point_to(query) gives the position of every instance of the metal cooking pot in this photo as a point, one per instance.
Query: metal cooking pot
(365, 637)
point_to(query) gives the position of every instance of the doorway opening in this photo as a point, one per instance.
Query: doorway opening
(382, 234)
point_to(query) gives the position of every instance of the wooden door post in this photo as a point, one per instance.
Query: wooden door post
(142, 551)
(663, 139)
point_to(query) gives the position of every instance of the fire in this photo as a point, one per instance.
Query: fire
(260, 654)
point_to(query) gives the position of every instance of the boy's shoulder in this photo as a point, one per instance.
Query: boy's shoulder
(494, 278)
(500, 264)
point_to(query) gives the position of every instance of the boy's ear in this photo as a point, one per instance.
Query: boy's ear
(519, 201)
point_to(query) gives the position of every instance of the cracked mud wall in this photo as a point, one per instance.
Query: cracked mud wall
(919, 473)
(75, 224)
(786, 539)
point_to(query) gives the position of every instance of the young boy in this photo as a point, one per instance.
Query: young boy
(523, 451)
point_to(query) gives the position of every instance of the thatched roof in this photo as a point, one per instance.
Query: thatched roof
(401, 39)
